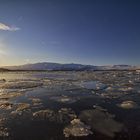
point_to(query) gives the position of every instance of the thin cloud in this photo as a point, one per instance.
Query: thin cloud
(5, 27)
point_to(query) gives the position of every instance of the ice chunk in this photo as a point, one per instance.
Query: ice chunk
(44, 115)
(125, 89)
(10, 95)
(6, 106)
(101, 121)
(128, 105)
(94, 85)
(64, 115)
(36, 101)
(77, 129)
(63, 99)
(4, 131)
(22, 106)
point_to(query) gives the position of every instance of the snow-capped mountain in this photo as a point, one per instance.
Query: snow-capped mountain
(117, 67)
(51, 66)
(72, 66)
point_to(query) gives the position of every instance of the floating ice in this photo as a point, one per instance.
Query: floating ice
(63, 99)
(126, 89)
(10, 95)
(22, 106)
(6, 106)
(36, 101)
(64, 115)
(44, 115)
(101, 121)
(94, 85)
(77, 129)
(4, 131)
(128, 105)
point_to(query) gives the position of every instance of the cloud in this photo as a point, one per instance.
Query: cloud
(5, 27)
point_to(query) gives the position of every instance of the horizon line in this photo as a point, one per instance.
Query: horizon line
(14, 65)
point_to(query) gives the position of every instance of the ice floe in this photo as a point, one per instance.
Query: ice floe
(64, 115)
(77, 129)
(92, 85)
(64, 99)
(128, 105)
(101, 121)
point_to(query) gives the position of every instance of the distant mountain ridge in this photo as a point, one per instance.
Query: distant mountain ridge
(50, 66)
(3, 69)
(71, 66)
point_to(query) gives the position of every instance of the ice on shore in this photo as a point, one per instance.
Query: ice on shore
(20, 85)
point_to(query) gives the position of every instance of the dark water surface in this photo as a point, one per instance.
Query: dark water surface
(107, 104)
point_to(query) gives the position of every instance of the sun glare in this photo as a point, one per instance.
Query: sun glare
(2, 52)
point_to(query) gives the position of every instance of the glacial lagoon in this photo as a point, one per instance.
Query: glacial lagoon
(59, 105)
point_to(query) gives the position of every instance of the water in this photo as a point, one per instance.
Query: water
(98, 99)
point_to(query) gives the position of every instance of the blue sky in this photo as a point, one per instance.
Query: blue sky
(94, 32)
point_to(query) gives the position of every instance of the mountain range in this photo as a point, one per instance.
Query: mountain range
(72, 66)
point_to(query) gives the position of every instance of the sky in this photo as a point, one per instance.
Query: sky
(96, 32)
